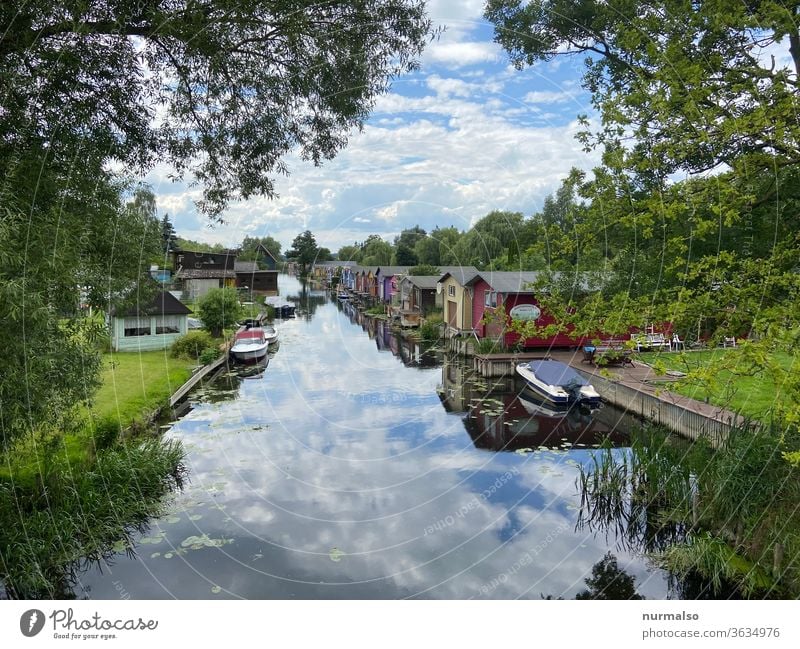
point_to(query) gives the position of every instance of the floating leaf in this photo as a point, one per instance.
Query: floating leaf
(215, 589)
(195, 517)
(120, 546)
(172, 520)
(335, 554)
(168, 555)
(155, 555)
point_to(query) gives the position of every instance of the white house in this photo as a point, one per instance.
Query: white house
(152, 325)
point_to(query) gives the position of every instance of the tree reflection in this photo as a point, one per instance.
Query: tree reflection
(609, 581)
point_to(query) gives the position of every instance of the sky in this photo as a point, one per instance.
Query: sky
(462, 136)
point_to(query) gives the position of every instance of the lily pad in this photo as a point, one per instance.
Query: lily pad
(215, 589)
(335, 554)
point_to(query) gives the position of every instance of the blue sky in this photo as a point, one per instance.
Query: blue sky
(463, 135)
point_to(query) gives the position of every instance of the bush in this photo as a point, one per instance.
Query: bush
(193, 344)
(219, 309)
(429, 332)
(209, 355)
(489, 346)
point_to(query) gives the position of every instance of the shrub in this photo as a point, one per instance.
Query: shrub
(219, 309)
(193, 344)
(489, 346)
(429, 332)
(209, 355)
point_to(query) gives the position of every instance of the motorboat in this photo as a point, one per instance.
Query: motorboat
(282, 309)
(558, 384)
(250, 345)
(270, 334)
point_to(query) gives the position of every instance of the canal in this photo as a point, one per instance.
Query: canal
(358, 466)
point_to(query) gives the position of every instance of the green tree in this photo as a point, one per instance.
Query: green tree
(609, 581)
(304, 251)
(68, 249)
(168, 235)
(250, 250)
(424, 269)
(349, 253)
(404, 244)
(219, 309)
(248, 81)
(376, 252)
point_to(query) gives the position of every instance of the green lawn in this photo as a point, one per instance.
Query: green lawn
(137, 382)
(738, 385)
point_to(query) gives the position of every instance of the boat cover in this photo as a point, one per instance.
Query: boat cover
(255, 332)
(556, 373)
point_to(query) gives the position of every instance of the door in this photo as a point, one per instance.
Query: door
(452, 313)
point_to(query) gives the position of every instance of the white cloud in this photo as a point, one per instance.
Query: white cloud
(460, 54)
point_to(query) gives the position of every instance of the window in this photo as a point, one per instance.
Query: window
(168, 324)
(490, 299)
(137, 327)
(451, 290)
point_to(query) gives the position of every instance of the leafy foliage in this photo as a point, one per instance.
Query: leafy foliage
(275, 76)
(219, 309)
(193, 344)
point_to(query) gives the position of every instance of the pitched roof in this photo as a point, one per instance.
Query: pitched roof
(161, 303)
(462, 274)
(514, 281)
(422, 281)
(389, 271)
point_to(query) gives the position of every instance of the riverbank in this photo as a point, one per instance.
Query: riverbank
(66, 495)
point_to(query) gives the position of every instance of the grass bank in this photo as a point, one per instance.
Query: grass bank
(726, 377)
(68, 495)
(728, 514)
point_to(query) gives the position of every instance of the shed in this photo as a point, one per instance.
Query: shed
(154, 324)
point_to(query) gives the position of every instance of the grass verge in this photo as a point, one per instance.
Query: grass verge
(69, 495)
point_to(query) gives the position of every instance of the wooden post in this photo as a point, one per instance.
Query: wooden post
(777, 560)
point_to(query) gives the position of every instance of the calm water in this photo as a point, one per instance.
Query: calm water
(357, 466)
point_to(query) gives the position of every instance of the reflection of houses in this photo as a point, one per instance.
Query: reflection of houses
(155, 324)
(260, 282)
(507, 421)
(455, 390)
(196, 273)
(457, 299)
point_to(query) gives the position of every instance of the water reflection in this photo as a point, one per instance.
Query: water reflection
(355, 466)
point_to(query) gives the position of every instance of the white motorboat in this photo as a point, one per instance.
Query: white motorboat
(250, 345)
(558, 384)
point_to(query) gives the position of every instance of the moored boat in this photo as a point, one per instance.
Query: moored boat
(249, 345)
(282, 309)
(558, 384)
